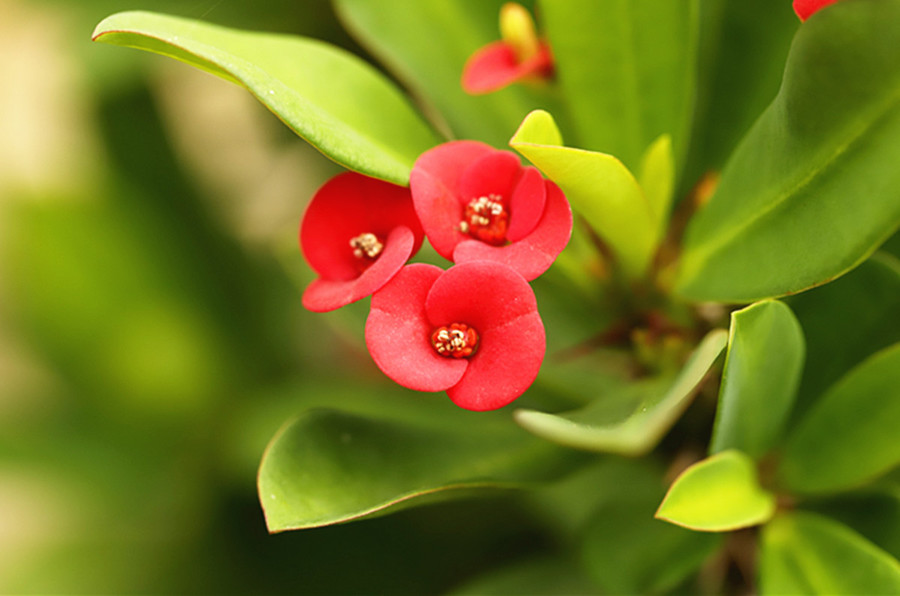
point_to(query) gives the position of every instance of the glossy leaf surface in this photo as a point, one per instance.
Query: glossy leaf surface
(599, 187)
(759, 383)
(626, 68)
(334, 100)
(805, 553)
(812, 189)
(717, 494)
(328, 467)
(850, 435)
(633, 421)
(426, 44)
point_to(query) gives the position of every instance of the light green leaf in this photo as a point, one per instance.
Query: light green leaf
(657, 179)
(426, 44)
(805, 553)
(633, 421)
(718, 494)
(599, 188)
(328, 467)
(627, 69)
(334, 100)
(849, 436)
(813, 188)
(759, 383)
(845, 322)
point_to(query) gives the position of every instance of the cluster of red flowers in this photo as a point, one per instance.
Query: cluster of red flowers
(473, 330)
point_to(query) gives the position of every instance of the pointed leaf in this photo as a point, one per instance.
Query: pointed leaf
(627, 69)
(426, 44)
(334, 100)
(657, 179)
(328, 467)
(632, 422)
(805, 553)
(718, 494)
(813, 189)
(599, 188)
(759, 382)
(850, 435)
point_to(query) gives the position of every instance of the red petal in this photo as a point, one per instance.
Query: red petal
(501, 306)
(346, 206)
(435, 186)
(494, 66)
(526, 206)
(482, 294)
(506, 364)
(531, 256)
(398, 333)
(806, 8)
(494, 173)
(323, 295)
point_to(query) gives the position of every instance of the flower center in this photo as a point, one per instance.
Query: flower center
(457, 340)
(486, 219)
(366, 246)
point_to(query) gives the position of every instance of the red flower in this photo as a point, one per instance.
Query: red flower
(473, 331)
(806, 8)
(520, 56)
(478, 203)
(357, 233)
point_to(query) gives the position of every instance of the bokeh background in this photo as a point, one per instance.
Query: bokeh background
(152, 339)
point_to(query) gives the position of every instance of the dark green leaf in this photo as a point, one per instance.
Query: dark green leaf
(805, 553)
(759, 382)
(813, 189)
(427, 42)
(536, 577)
(334, 100)
(328, 467)
(845, 322)
(627, 69)
(850, 435)
(632, 421)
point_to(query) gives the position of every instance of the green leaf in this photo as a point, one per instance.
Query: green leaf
(627, 551)
(657, 179)
(850, 435)
(631, 422)
(334, 100)
(813, 188)
(805, 553)
(718, 494)
(426, 44)
(873, 512)
(845, 322)
(742, 47)
(599, 188)
(327, 467)
(536, 577)
(627, 69)
(759, 383)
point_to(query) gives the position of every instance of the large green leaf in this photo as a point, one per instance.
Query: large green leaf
(805, 553)
(599, 187)
(759, 382)
(426, 43)
(334, 100)
(845, 322)
(850, 435)
(327, 467)
(627, 69)
(720, 493)
(813, 189)
(632, 421)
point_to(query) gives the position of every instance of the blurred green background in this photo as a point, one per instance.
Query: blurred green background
(151, 335)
